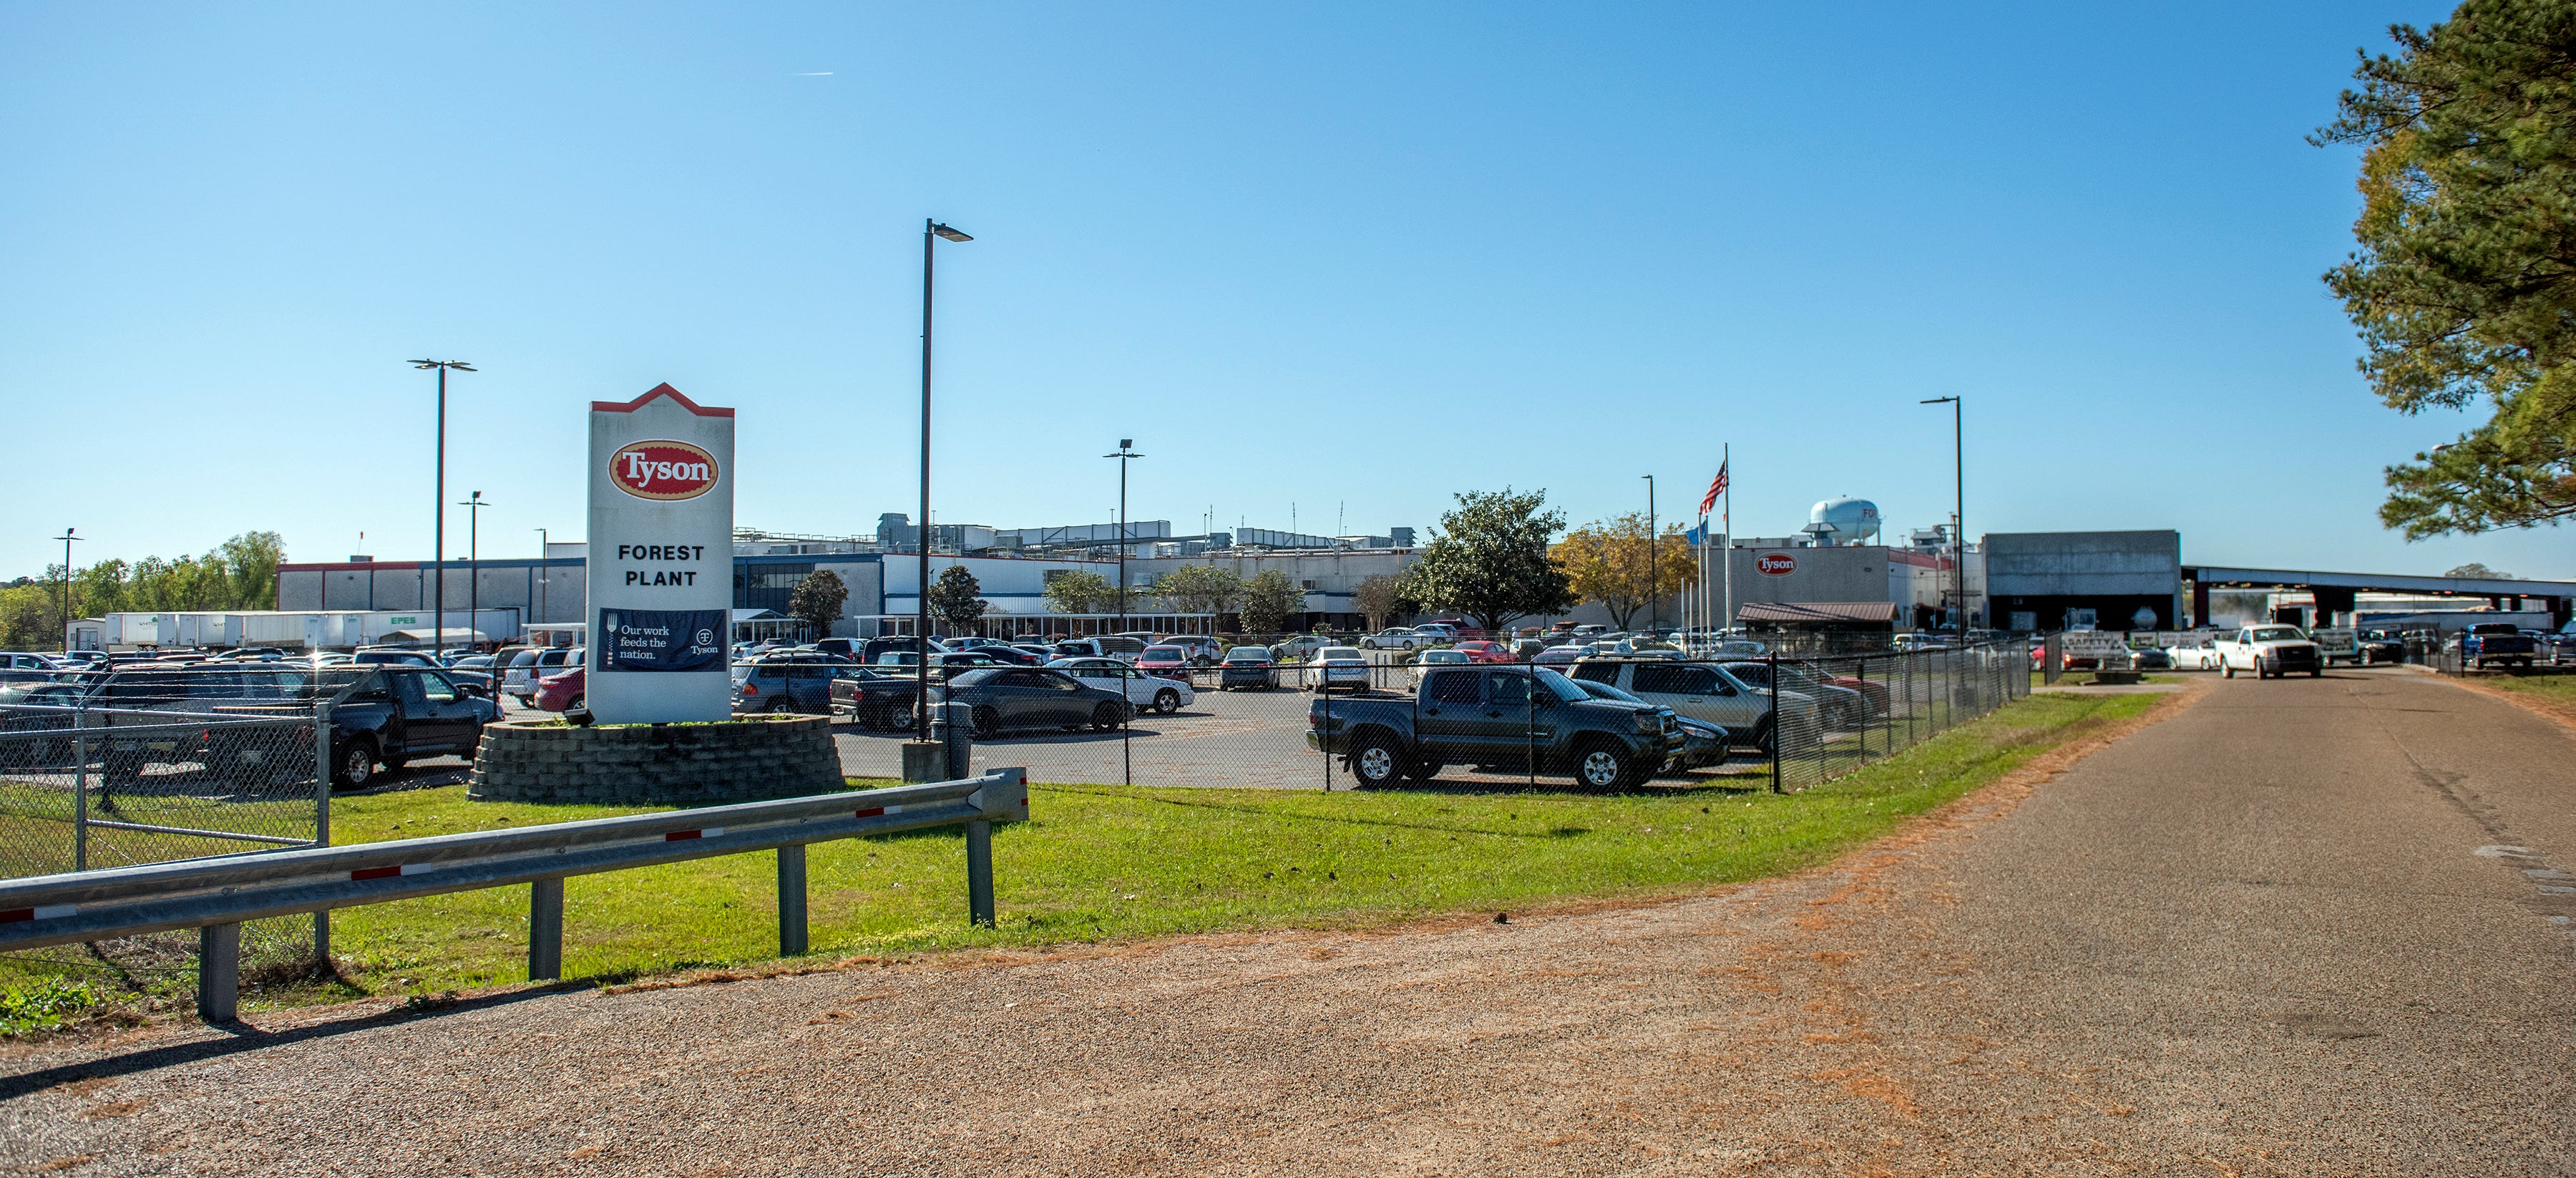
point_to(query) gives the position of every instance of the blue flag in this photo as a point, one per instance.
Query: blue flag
(1697, 536)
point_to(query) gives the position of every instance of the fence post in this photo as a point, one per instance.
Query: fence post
(545, 929)
(219, 973)
(791, 900)
(80, 789)
(322, 825)
(979, 872)
(1325, 745)
(1779, 737)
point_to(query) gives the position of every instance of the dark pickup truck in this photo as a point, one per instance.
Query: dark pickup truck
(2497, 643)
(1492, 716)
(390, 715)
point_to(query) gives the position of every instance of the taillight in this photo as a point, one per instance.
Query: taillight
(750, 688)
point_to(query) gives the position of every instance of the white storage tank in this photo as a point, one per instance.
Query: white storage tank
(1855, 521)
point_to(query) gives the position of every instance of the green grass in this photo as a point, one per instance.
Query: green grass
(2556, 687)
(1112, 862)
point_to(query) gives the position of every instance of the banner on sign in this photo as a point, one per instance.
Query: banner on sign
(661, 639)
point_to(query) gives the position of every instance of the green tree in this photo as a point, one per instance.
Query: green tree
(1199, 589)
(817, 600)
(31, 617)
(249, 562)
(1268, 600)
(1490, 560)
(2464, 282)
(1080, 591)
(957, 601)
(2481, 572)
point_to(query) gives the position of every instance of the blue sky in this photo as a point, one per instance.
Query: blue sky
(1340, 261)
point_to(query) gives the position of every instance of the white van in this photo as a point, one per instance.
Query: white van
(1114, 646)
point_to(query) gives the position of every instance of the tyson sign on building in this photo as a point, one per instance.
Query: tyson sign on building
(661, 559)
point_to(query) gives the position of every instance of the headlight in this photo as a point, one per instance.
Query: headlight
(1648, 722)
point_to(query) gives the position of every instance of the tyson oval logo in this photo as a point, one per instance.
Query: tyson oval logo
(662, 469)
(1776, 564)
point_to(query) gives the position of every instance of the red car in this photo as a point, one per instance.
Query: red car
(1167, 662)
(561, 692)
(1481, 651)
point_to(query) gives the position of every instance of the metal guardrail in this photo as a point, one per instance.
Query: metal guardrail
(216, 895)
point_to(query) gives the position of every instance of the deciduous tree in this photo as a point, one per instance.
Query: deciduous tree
(1268, 600)
(1080, 591)
(1382, 597)
(1199, 589)
(817, 600)
(1610, 563)
(957, 600)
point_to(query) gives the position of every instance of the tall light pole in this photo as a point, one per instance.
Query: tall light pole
(473, 562)
(542, 545)
(1126, 450)
(67, 538)
(438, 502)
(1654, 600)
(931, 232)
(1958, 514)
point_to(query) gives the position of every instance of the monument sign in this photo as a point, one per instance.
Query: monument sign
(661, 560)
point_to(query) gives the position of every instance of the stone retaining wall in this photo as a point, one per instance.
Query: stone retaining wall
(679, 764)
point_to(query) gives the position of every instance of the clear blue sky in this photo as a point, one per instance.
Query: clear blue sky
(1306, 257)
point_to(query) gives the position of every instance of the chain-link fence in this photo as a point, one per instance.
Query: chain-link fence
(101, 770)
(1472, 719)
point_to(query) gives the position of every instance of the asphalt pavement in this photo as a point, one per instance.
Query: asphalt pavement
(2293, 927)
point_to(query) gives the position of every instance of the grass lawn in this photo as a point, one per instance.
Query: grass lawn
(1112, 862)
(2558, 688)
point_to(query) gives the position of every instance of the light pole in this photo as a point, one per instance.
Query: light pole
(931, 231)
(438, 502)
(542, 545)
(1654, 599)
(67, 538)
(1958, 514)
(473, 563)
(1126, 450)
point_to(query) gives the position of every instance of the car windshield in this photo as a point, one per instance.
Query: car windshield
(2277, 634)
(1605, 691)
(1165, 652)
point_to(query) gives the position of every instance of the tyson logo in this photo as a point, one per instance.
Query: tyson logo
(662, 470)
(1776, 564)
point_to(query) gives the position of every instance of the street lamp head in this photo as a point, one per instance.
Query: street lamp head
(1936, 401)
(458, 365)
(1126, 443)
(946, 232)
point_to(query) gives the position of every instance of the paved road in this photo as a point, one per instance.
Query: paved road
(2300, 927)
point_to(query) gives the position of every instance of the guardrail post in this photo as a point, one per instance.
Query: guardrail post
(958, 739)
(979, 872)
(545, 929)
(219, 973)
(791, 900)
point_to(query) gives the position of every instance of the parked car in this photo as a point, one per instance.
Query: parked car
(1529, 718)
(1703, 744)
(1397, 638)
(1203, 651)
(392, 716)
(1111, 646)
(1429, 659)
(2492, 644)
(24, 667)
(2382, 646)
(1170, 662)
(1700, 691)
(1297, 648)
(1560, 657)
(2193, 654)
(1338, 666)
(2150, 659)
(1247, 666)
(393, 657)
(1840, 708)
(37, 707)
(2268, 651)
(877, 700)
(1147, 691)
(1003, 698)
(790, 684)
(562, 691)
(1483, 651)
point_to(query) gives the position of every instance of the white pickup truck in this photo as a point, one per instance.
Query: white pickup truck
(2269, 652)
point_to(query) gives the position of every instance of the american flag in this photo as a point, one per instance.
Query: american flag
(1716, 487)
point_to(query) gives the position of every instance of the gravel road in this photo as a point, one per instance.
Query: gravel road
(2296, 927)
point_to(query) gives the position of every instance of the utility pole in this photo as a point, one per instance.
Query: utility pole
(1958, 515)
(1126, 450)
(542, 545)
(473, 565)
(438, 501)
(1654, 599)
(931, 232)
(68, 539)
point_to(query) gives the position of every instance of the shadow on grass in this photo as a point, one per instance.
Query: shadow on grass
(1400, 824)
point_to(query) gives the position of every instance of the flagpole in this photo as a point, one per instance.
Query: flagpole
(1726, 550)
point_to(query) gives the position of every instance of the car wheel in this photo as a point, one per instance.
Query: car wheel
(1762, 736)
(1376, 763)
(987, 723)
(782, 704)
(2226, 670)
(578, 703)
(1602, 766)
(355, 767)
(1167, 701)
(2316, 672)
(1105, 717)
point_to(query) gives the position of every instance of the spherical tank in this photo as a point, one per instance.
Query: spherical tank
(1855, 521)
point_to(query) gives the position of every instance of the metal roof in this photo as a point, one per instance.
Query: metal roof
(2379, 582)
(1816, 611)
